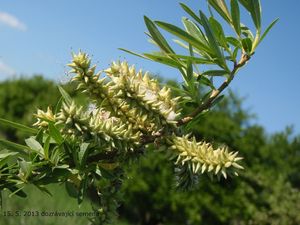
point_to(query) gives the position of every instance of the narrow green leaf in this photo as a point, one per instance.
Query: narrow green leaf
(65, 95)
(82, 154)
(218, 32)
(247, 45)
(215, 72)
(191, 13)
(35, 146)
(133, 53)
(268, 29)
(233, 41)
(18, 126)
(157, 36)
(221, 8)
(189, 71)
(255, 10)
(183, 35)
(212, 39)
(55, 134)
(58, 105)
(194, 60)
(245, 3)
(193, 30)
(205, 81)
(235, 15)
(17, 191)
(235, 52)
(163, 59)
(13, 146)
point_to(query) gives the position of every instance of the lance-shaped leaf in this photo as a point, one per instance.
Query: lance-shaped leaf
(218, 31)
(18, 126)
(268, 29)
(235, 15)
(184, 36)
(133, 53)
(212, 39)
(191, 13)
(215, 73)
(163, 59)
(82, 154)
(65, 95)
(55, 134)
(195, 60)
(245, 3)
(255, 11)
(221, 8)
(194, 30)
(157, 36)
(17, 191)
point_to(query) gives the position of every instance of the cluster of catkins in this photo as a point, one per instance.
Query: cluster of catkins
(128, 107)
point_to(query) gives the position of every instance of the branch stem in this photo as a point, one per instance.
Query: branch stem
(215, 93)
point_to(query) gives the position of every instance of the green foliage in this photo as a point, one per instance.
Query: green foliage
(125, 113)
(206, 43)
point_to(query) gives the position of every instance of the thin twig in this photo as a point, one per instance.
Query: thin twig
(207, 104)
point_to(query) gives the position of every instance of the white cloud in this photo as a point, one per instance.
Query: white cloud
(6, 70)
(12, 21)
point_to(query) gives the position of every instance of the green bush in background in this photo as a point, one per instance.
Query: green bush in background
(266, 193)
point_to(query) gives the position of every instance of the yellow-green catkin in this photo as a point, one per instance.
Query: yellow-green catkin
(203, 157)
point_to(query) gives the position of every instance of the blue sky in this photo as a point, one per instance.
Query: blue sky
(38, 37)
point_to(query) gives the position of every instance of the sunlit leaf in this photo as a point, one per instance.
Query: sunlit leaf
(255, 10)
(163, 59)
(191, 13)
(195, 60)
(157, 36)
(221, 8)
(211, 38)
(218, 31)
(235, 15)
(268, 29)
(194, 30)
(183, 35)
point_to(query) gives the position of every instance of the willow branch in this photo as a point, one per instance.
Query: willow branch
(208, 103)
